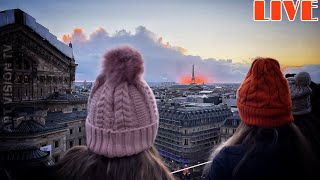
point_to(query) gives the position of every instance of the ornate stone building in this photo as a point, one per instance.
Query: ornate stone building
(37, 105)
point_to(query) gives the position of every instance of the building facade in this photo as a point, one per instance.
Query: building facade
(187, 135)
(229, 127)
(37, 78)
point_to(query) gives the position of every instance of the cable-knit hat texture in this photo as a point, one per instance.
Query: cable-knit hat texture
(300, 94)
(263, 97)
(303, 79)
(122, 112)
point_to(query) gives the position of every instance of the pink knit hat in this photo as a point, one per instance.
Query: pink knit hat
(122, 112)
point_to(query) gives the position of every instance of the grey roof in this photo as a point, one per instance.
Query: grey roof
(229, 121)
(22, 154)
(180, 86)
(27, 110)
(60, 117)
(30, 127)
(182, 114)
(54, 121)
(67, 97)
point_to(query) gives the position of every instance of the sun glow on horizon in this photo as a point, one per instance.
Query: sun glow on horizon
(199, 79)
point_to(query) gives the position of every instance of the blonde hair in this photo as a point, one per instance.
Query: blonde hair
(82, 164)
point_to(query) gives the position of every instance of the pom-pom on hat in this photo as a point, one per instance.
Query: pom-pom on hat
(263, 97)
(303, 79)
(122, 112)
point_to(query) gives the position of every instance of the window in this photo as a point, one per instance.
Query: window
(26, 92)
(185, 131)
(41, 92)
(186, 142)
(26, 79)
(56, 144)
(234, 123)
(71, 143)
(71, 131)
(56, 158)
(80, 129)
(80, 141)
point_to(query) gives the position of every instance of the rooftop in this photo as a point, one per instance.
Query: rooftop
(18, 155)
(60, 117)
(30, 127)
(67, 97)
(232, 121)
(8, 17)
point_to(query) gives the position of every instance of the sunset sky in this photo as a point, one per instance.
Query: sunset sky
(219, 29)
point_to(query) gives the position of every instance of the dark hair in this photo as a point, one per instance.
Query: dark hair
(294, 140)
(289, 75)
(82, 164)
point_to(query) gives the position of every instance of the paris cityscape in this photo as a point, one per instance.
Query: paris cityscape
(44, 102)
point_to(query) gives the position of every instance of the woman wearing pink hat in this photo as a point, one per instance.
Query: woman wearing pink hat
(121, 125)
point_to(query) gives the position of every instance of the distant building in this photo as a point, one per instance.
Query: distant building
(230, 99)
(229, 127)
(37, 105)
(187, 135)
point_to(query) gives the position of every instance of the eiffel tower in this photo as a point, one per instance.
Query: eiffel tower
(193, 79)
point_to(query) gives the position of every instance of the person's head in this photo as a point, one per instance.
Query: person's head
(303, 79)
(122, 112)
(263, 98)
(122, 120)
(300, 94)
(264, 105)
(82, 164)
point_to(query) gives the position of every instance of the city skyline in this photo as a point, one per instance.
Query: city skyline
(217, 36)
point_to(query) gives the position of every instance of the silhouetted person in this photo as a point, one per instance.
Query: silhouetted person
(302, 108)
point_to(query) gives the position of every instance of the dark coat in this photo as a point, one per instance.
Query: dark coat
(265, 161)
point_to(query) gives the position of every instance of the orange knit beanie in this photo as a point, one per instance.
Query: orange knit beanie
(263, 97)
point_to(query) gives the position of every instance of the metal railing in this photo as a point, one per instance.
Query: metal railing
(191, 167)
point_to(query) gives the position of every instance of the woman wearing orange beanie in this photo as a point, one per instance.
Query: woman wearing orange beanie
(266, 145)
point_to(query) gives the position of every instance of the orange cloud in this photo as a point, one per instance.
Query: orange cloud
(200, 79)
(100, 29)
(77, 34)
(77, 30)
(182, 50)
(167, 45)
(66, 38)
